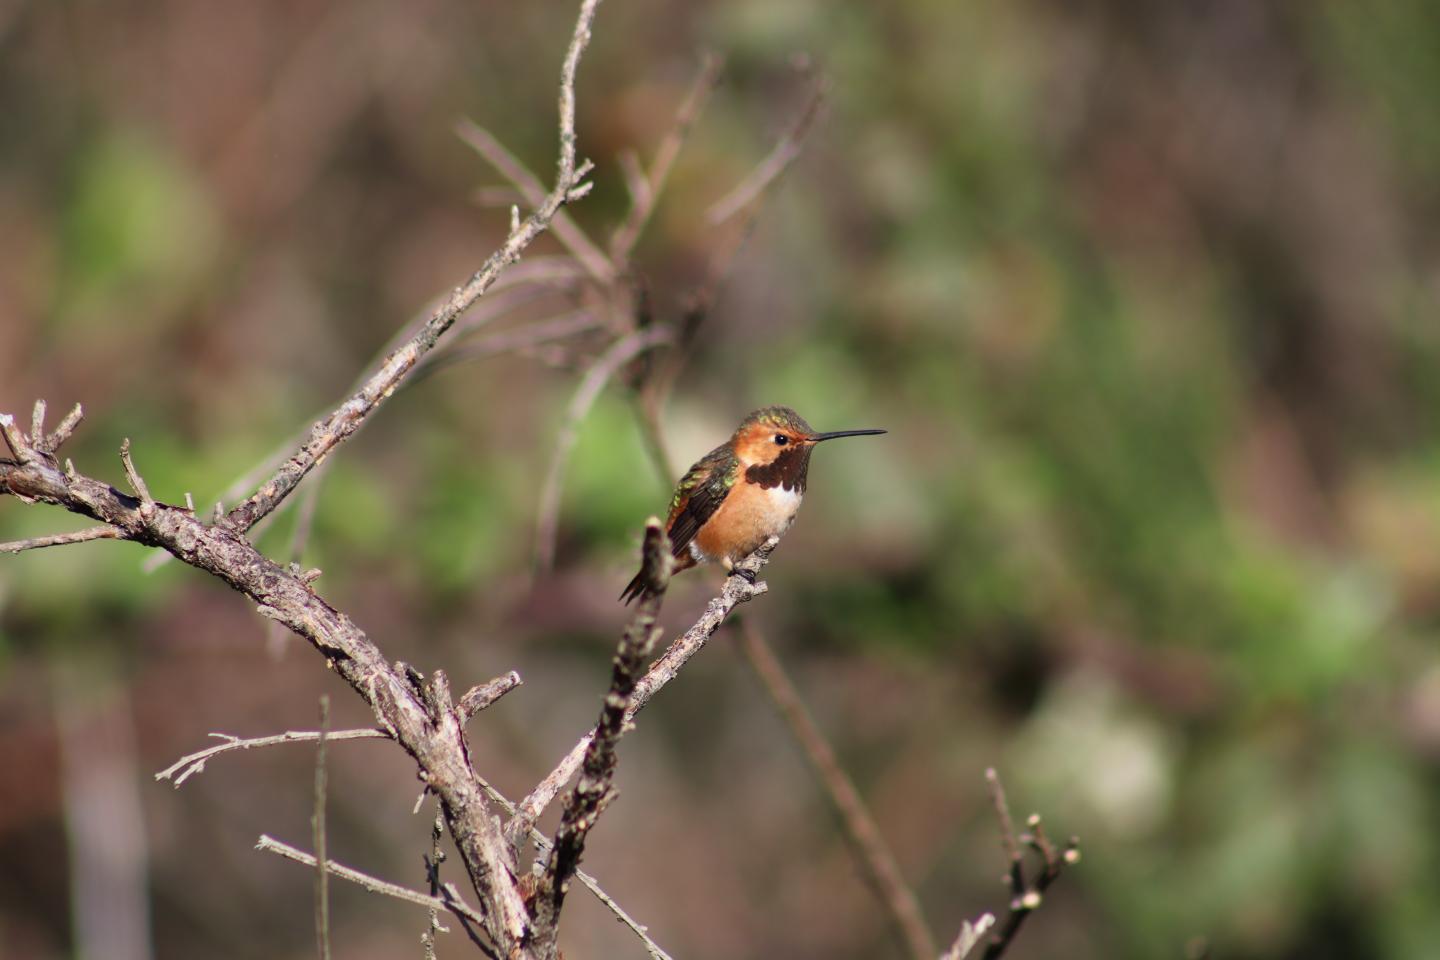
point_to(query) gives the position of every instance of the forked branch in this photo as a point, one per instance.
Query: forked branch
(404, 709)
(739, 588)
(332, 430)
(1025, 895)
(595, 788)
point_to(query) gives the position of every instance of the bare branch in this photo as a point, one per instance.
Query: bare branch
(479, 697)
(620, 352)
(746, 196)
(67, 428)
(567, 231)
(1025, 898)
(334, 429)
(770, 169)
(737, 590)
(102, 532)
(860, 828)
(37, 425)
(969, 937)
(542, 843)
(1007, 830)
(132, 476)
(317, 822)
(432, 871)
(519, 340)
(595, 788)
(19, 446)
(452, 904)
(521, 283)
(194, 763)
(645, 188)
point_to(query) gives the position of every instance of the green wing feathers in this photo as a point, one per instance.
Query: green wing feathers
(699, 495)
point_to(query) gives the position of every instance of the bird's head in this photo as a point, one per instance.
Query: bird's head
(772, 433)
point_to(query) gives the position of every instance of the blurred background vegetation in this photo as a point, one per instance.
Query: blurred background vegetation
(1144, 293)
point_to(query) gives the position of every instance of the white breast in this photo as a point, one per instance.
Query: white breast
(783, 504)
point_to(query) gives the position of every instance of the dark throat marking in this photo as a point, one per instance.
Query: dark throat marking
(788, 470)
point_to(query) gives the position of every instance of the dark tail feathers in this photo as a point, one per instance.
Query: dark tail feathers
(634, 589)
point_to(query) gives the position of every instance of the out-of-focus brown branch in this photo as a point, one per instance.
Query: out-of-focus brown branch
(567, 231)
(595, 787)
(744, 197)
(969, 937)
(784, 153)
(872, 853)
(321, 838)
(1025, 897)
(737, 590)
(619, 353)
(646, 187)
(521, 340)
(334, 429)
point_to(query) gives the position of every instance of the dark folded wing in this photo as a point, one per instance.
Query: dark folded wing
(699, 495)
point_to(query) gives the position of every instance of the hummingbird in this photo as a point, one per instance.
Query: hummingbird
(743, 492)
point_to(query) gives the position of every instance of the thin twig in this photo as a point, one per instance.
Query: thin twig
(195, 762)
(746, 196)
(783, 154)
(547, 516)
(552, 274)
(969, 937)
(479, 697)
(37, 425)
(60, 434)
(317, 824)
(860, 828)
(103, 532)
(1025, 898)
(432, 871)
(520, 340)
(132, 476)
(449, 902)
(299, 538)
(595, 787)
(567, 231)
(737, 590)
(1007, 829)
(19, 446)
(474, 700)
(334, 429)
(645, 188)
(647, 407)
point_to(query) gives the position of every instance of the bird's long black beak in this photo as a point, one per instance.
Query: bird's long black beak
(817, 437)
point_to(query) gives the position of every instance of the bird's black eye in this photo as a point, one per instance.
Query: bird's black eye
(781, 439)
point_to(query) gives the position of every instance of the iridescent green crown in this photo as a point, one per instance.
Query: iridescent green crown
(782, 417)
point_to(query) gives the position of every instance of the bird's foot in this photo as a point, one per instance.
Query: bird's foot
(747, 575)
